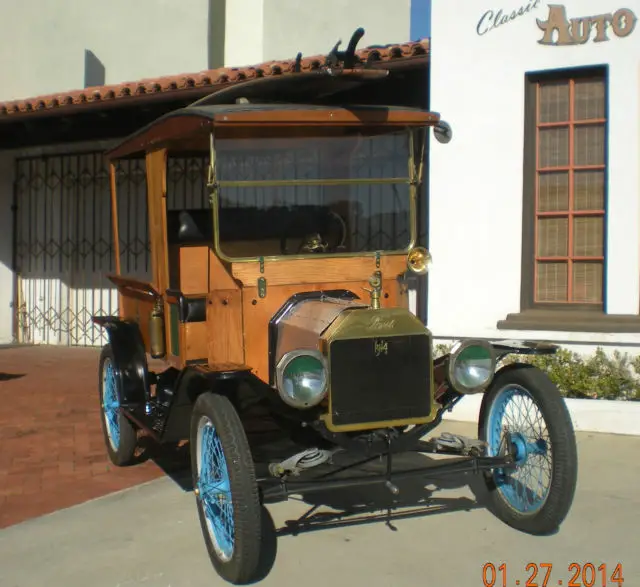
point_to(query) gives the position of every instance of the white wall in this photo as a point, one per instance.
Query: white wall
(42, 44)
(291, 25)
(42, 50)
(244, 33)
(476, 181)
(279, 29)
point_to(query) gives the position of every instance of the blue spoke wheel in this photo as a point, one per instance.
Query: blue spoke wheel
(226, 489)
(524, 415)
(119, 433)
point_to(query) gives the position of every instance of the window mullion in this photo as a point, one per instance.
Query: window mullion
(571, 190)
(536, 198)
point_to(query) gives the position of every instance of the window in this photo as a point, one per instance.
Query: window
(565, 196)
(564, 214)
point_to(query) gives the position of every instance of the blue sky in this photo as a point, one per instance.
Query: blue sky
(420, 19)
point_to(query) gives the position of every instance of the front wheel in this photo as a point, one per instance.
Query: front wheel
(226, 489)
(524, 414)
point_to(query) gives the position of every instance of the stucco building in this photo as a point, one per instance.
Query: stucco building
(531, 212)
(534, 205)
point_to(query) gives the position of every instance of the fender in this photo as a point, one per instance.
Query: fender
(446, 393)
(130, 357)
(190, 383)
(517, 347)
(503, 348)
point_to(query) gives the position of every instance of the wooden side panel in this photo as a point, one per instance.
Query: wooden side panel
(194, 270)
(132, 308)
(128, 307)
(303, 271)
(258, 311)
(224, 320)
(193, 341)
(219, 277)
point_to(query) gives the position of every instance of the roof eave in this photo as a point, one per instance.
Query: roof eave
(194, 86)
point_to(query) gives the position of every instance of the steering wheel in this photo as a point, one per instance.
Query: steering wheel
(343, 231)
(315, 241)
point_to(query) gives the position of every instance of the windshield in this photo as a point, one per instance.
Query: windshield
(302, 195)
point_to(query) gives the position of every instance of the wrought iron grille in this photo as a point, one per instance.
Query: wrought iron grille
(64, 244)
(187, 183)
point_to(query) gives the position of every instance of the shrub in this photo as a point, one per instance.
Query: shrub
(598, 376)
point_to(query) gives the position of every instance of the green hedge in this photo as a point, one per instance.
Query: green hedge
(597, 376)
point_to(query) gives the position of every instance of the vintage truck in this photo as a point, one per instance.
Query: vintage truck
(289, 291)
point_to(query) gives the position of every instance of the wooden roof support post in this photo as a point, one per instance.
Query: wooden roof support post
(115, 226)
(156, 165)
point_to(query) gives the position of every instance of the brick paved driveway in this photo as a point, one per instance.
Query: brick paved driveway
(52, 452)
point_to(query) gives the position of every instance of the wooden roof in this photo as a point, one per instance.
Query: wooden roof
(188, 128)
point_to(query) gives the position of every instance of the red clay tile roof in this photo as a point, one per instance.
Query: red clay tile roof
(205, 79)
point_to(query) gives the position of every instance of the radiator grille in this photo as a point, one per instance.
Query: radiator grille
(379, 379)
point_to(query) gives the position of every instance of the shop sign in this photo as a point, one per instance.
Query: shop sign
(492, 19)
(577, 31)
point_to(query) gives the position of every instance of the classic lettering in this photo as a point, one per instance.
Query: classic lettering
(600, 21)
(493, 19)
(559, 30)
(580, 30)
(555, 23)
(623, 22)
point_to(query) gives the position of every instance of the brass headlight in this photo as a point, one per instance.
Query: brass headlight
(301, 378)
(472, 365)
(419, 260)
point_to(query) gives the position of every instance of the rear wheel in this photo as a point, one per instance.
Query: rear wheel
(226, 489)
(119, 433)
(524, 414)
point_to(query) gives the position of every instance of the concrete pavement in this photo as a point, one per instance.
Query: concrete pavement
(149, 536)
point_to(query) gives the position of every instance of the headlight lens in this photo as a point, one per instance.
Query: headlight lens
(302, 378)
(471, 366)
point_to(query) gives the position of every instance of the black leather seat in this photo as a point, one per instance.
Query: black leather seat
(190, 227)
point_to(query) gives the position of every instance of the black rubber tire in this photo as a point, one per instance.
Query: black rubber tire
(564, 469)
(125, 453)
(244, 565)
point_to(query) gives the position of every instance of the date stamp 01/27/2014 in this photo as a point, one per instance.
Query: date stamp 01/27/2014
(547, 575)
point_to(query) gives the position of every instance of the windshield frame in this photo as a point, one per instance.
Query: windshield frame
(415, 167)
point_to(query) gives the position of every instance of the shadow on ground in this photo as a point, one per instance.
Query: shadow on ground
(376, 503)
(345, 507)
(9, 376)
